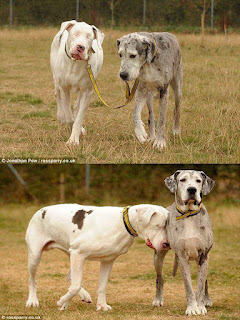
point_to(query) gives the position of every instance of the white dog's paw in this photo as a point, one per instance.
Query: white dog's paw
(157, 302)
(73, 141)
(103, 307)
(83, 131)
(33, 302)
(85, 296)
(159, 144)
(62, 304)
(202, 309)
(193, 310)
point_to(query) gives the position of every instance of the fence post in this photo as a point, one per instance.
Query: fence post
(62, 188)
(144, 12)
(212, 6)
(11, 14)
(77, 10)
(87, 179)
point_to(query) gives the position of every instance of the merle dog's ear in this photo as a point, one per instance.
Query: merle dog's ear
(150, 47)
(208, 183)
(118, 42)
(171, 181)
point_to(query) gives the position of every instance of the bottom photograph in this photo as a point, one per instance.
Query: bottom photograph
(119, 241)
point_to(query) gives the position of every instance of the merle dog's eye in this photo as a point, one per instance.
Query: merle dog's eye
(198, 181)
(183, 180)
(132, 56)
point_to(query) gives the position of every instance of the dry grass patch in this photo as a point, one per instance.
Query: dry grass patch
(132, 285)
(209, 117)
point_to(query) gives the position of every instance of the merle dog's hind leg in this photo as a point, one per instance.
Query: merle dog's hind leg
(176, 85)
(151, 119)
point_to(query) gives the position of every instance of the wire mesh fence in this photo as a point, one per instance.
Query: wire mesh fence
(124, 12)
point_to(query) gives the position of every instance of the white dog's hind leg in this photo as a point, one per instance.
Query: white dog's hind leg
(151, 120)
(77, 104)
(77, 128)
(76, 261)
(60, 111)
(158, 263)
(34, 258)
(105, 270)
(141, 100)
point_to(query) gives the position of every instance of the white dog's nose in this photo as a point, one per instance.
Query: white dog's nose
(80, 48)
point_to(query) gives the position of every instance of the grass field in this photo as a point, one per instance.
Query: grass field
(209, 114)
(132, 285)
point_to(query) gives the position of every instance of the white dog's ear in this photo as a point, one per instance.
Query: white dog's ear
(99, 36)
(144, 215)
(66, 25)
(208, 183)
(150, 47)
(171, 181)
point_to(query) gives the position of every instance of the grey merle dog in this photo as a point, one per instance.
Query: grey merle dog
(156, 59)
(189, 233)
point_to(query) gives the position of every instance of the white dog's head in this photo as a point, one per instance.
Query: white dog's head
(80, 39)
(189, 186)
(151, 222)
(134, 50)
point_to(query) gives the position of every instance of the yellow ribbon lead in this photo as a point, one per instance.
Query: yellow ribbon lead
(129, 94)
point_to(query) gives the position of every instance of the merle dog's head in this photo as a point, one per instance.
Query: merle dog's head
(134, 50)
(189, 186)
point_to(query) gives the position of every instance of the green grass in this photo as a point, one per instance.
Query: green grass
(131, 288)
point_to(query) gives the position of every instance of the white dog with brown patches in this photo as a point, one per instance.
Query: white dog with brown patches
(93, 233)
(73, 47)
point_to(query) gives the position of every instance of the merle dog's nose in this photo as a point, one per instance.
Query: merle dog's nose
(124, 75)
(80, 48)
(191, 190)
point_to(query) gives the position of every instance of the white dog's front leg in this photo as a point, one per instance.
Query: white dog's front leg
(76, 261)
(105, 270)
(77, 128)
(141, 99)
(65, 110)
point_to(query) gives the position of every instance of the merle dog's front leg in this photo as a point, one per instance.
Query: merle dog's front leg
(192, 306)
(141, 100)
(201, 283)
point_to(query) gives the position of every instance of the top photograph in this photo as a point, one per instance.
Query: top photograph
(120, 81)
